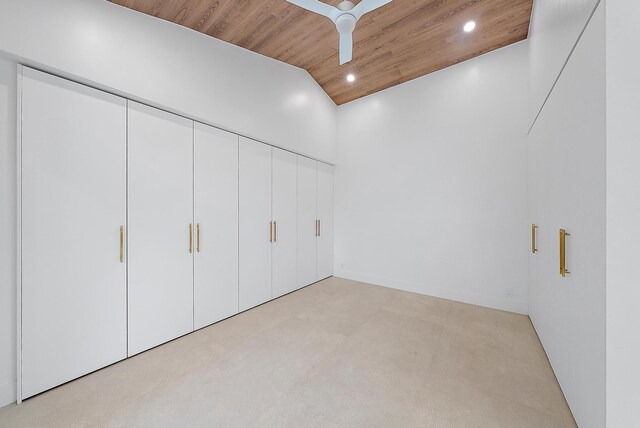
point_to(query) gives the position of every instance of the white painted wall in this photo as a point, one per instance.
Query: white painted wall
(430, 184)
(171, 67)
(555, 28)
(7, 231)
(623, 214)
(566, 176)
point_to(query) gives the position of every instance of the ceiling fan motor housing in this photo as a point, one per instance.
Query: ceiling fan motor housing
(346, 23)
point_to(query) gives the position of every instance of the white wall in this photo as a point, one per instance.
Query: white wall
(171, 67)
(430, 184)
(566, 175)
(623, 214)
(555, 28)
(7, 232)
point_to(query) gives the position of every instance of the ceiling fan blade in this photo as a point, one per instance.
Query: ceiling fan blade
(346, 47)
(318, 7)
(366, 6)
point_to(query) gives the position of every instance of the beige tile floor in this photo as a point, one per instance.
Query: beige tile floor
(337, 353)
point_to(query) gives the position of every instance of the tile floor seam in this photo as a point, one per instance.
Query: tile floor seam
(511, 400)
(248, 338)
(319, 411)
(498, 394)
(431, 365)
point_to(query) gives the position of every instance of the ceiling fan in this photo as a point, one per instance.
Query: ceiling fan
(345, 16)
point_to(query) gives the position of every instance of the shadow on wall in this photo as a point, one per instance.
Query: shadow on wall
(8, 91)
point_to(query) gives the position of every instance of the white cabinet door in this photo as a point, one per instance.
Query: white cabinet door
(307, 221)
(285, 196)
(255, 223)
(215, 290)
(73, 198)
(325, 220)
(160, 213)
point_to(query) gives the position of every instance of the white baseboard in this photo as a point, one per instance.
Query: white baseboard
(508, 305)
(7, 393)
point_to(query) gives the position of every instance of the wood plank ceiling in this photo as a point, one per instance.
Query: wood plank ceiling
(400, 41)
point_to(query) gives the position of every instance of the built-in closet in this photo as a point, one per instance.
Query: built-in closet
(137, 226)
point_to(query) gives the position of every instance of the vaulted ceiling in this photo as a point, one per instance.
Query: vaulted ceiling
(400, 41)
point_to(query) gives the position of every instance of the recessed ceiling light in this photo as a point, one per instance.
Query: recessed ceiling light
(470, 26)
(351, 78)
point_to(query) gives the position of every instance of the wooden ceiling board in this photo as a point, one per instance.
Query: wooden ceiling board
(401, 41)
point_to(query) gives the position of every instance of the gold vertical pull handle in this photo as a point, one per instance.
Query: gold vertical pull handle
(190, 238)
(563, 252)
(121, 244)
(275, 231)
(319, 233)
(271, 231)
(534, 248)
(316, 228)
(198, 237)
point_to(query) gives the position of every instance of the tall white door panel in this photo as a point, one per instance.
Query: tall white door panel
(160, 209)
(216, 218)
(325, 220)
(307, 221)
(73, 198)
(285, 207)
(256, 231)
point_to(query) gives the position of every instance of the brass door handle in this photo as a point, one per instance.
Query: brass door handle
(275, 231)
(563, 252)
(319, 232)
(198, 237)
(121, 244)
(271, 231)
(533, 238)
(190, 238)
